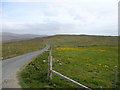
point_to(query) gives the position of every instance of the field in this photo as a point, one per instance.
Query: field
(13, 49)
(34, 75)
(81, 40)
(92, 66)
(88, 60)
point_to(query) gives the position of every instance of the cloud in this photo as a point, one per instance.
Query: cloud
(59, 0)
(54, 27)
(42, 28)
(64, 17)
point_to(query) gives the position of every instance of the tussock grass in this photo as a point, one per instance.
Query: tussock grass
(34, 75)
(91, 68)
(81, 40)
(88, 60)
(13, 49)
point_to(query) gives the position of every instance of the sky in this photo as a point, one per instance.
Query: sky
(49, 17)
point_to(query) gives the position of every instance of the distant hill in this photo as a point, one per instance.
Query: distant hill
(12, 37)
(81, 40)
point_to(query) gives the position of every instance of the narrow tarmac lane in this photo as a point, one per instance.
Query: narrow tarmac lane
(12, 65)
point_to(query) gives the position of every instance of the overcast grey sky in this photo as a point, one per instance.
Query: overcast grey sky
(60, 17)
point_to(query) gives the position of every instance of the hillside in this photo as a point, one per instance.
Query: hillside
(87, 59)
(81, 40)
(12, 49)
(12, 37)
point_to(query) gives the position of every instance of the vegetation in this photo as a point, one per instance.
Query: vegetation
(88, 60)
(91, 66)
(88, 63)
(81, 40)
(34, 75)
(35, 72)
(13, 49)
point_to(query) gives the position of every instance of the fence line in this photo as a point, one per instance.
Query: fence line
(50, 71)
(115, 76)
(50, 64)
(69, 80)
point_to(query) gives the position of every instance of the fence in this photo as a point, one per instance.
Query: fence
(50, 71)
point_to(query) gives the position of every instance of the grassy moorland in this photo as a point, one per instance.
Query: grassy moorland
(88, 60)
(34, 75)
(92, 66)
(81, 40)
(13, 49)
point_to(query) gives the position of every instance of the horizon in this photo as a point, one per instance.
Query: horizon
(60, 34)
(52, 17)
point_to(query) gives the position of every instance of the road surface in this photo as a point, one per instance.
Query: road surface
(12, 65)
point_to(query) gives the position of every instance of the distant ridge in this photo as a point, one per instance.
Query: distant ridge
(12, 37)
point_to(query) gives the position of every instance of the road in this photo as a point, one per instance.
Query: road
(12, 65)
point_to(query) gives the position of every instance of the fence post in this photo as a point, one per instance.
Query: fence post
(100, 87)
(115, 76)
(50, 64)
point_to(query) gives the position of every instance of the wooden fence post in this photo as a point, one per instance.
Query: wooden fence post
(115, 76)
(100, 87)
(50, 64)
(50, 71)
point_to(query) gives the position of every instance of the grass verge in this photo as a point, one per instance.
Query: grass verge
(13, 49)
(34, 75)
(92, 67)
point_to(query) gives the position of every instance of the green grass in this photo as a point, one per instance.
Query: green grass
(91, 68)
(13, 49)
(86, 67)
(34, 75)
(81, 40)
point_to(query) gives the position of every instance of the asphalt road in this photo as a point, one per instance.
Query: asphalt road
(12, 65)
